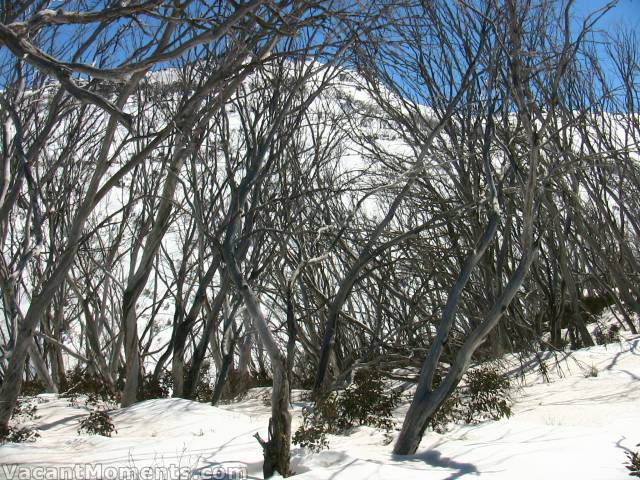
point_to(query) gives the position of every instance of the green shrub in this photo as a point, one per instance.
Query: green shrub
(488, 395)
(237, 384)
(18, 435)
(312, 434)
(31, 388)
(153, 387)
(79, 381)
(25, 409)
(366, 402)
(162, 387)
(612, 335)
(590, 372)
(204, 390)
(634, 463)
(449, 412)
(97, 422)
(317, 421)
(303, 376)
(260, 379)
(484, 396)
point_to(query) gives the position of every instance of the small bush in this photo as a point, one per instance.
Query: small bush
(204, 388)
(634, 463)
(449, 412)
(484, 396)
(153, 387)
(592, 371)
(318, 421)
(25, 409)
(162, 387)
(31, 388)
(544, 370)
(97, 423)
(204, 392)
(488, 395)
(303, 376)
(312, 434)
(365, 402)
(236, 385)
(612, 335)
(80, 382)
(18, 435)
(260, 379)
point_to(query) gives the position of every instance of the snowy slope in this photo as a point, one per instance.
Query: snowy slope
(573, 426)
(155, 433)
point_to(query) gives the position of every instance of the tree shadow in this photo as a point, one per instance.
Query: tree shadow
(436, 459)
(62, 421)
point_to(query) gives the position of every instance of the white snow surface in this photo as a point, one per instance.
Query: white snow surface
(572, 426)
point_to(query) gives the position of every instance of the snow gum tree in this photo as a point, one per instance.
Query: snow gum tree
(201, 197)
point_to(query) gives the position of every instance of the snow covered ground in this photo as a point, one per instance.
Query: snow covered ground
(574, 426)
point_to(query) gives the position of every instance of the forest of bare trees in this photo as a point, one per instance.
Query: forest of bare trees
(283, 192)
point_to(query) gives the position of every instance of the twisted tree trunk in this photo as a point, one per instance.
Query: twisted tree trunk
(427, 400)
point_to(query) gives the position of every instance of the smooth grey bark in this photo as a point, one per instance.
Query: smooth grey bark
(366, 255)
(230, 332)
(277, 447)
(40, 301)
(93, 336)
(41, 368)
(426, 399)
(192, 120)
(245, 347)
(448, 315)
(349, 280)
(183, 328)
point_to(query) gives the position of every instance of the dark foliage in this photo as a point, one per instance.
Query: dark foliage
(18, 435)
(31, 388)
(236, 385)
(484, 396)
(204, 390)
(634, 463)
(261, 379)
(25, 409)
(153, 387)
(612, 335)
(366, 402)
(80, 382)
(97, 423)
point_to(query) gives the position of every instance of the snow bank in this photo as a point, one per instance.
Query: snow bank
(574, 426)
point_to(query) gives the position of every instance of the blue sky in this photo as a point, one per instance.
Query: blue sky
(626, 13)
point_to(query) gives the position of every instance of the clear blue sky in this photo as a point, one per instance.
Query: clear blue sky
(626, 13)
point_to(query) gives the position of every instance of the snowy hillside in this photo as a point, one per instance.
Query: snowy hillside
(247, 239)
